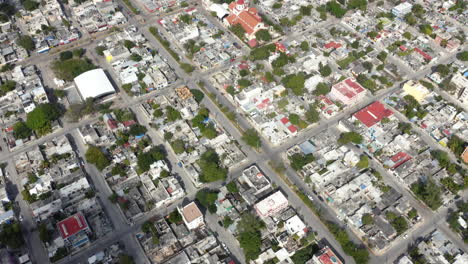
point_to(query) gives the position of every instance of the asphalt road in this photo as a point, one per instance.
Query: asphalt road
(126, 232)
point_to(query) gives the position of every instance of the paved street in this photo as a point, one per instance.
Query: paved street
(125, 232)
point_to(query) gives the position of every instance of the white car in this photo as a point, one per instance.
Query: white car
(310, 197)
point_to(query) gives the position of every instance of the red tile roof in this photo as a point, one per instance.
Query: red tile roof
(332, 44)
(129, 123)
(284, 120)
(329, 257)
(112, 124)
(292, 129)
(424, 54)
(372, 114)
(349, 88)
(248, 20)
(252, 43)
(72, 225)
(399, 158)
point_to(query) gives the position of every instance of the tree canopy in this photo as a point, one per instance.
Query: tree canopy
(298, 160)
(252, 138)
(26, 42)
(68, 69)
(207, 199)
(41, 117)
(335, 9)
(11, 235)
(94, 155)
(211, 169)
(350, 137)
(21, 130)
(249, 237)
(429, 192)
(295, 82)
(263, 35)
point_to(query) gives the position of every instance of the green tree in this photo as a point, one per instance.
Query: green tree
(100, 50)
(66, 55)
(252, 138)
(30, 5)
(175, 217)
(178, 146)
(428, 192)
(44, 233)
(11, 236)
(363, 162)
(298, 160)
(238, 30)
(263, 35)
(129, 44)
(418, 10)
(410, 19)
(67, 70)
(41, 117)
(7, 86)
(227, 221)
(425, 29)
(295, 82)
(232, 187)
(367, 219)
(78, 53)
(207, 199)
(350, 137)
(126, 259)
(335, 9)
(456, 145)
(137, 129)
(407, 35)
(197, 95)
(135, 57)
(188, 68)
(7, 67)
(321, 89)
(305, 46)
(357, 4)
(324, 70)
(382, 56)
(210, 167)
(312, 115)
(243, 83)
(94, 155)
(21, 130)
(372, 34)
(463, 56)
(172, 114)
(413, 213)
(249, 237)
(26, 42)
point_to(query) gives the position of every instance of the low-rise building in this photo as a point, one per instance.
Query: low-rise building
(193, 217)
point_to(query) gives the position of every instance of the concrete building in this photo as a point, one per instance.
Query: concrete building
(402, 9)
(193, 217)
(347, 91)
(93, 84)
(271, 205)
(247, 17)
(74, 230)
(326, 256)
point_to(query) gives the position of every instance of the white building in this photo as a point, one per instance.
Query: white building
(193, 218)
(271, 205)
(402, 9)
(93, 84)
(347, 91)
